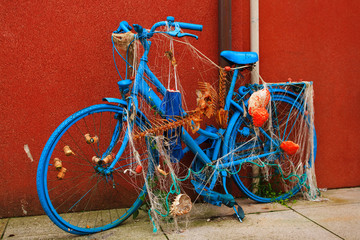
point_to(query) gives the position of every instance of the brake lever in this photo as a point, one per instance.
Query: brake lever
(187, 35)
(176, 33)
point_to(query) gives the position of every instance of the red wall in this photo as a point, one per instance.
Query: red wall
(315, 41)
(56, 59)
(318, 41)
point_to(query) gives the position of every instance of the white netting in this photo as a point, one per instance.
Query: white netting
(288, 114)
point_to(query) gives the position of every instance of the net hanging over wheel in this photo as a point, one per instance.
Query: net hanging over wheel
(270, 108)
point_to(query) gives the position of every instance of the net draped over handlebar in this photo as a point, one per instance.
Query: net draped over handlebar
(268, 173)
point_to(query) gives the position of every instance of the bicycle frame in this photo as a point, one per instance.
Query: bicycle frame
(142, 88)
(254, 156)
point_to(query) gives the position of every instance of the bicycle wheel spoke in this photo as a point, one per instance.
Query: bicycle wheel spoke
(274, 116)
(79, 192)
(278, 175)
(77, 144)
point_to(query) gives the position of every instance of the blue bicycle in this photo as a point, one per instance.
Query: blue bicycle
(97, 167)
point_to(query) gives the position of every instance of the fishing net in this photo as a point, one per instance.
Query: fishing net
(194, 97)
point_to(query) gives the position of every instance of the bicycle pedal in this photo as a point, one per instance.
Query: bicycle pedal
(213, 197)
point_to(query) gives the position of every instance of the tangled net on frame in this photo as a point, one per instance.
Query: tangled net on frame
(152, 145)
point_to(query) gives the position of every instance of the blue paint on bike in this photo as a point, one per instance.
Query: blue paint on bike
(240, 57)
(124, 27)
(213, 197)
(221, 142)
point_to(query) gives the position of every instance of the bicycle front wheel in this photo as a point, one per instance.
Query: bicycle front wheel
(270, 174)
(73, 186)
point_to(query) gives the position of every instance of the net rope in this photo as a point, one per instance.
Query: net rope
(259, 174)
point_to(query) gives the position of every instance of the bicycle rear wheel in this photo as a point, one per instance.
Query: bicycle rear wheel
(272, 174)
(84, 199)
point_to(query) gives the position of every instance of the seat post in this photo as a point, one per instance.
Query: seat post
(231, 89)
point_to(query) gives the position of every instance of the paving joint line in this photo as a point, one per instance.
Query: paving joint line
(164, 233)
(315, 222)
(3, 233)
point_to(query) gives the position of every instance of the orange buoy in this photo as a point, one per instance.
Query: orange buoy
(260, 116)
(138, 169)
(289, 147)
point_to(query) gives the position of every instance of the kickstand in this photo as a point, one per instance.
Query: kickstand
(239, 213)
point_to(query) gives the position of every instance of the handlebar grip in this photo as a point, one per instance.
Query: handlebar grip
(191, 26)
(123, 27)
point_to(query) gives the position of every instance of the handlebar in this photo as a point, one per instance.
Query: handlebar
(170, 21)
(125, 27)
(191, 26)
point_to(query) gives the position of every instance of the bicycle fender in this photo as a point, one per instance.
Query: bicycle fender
(123, 103)
(115, 100)
(282, 91)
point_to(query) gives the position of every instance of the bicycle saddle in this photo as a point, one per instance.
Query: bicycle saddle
(240, 57)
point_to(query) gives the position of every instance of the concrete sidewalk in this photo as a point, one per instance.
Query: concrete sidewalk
(335, 218)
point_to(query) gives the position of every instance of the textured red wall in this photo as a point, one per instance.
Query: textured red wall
(318, 41)
(56, 59)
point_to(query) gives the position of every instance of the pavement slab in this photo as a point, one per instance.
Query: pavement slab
(3, 224)
(342, 220)
(37, 227)
(269, 225)
(335, 216)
